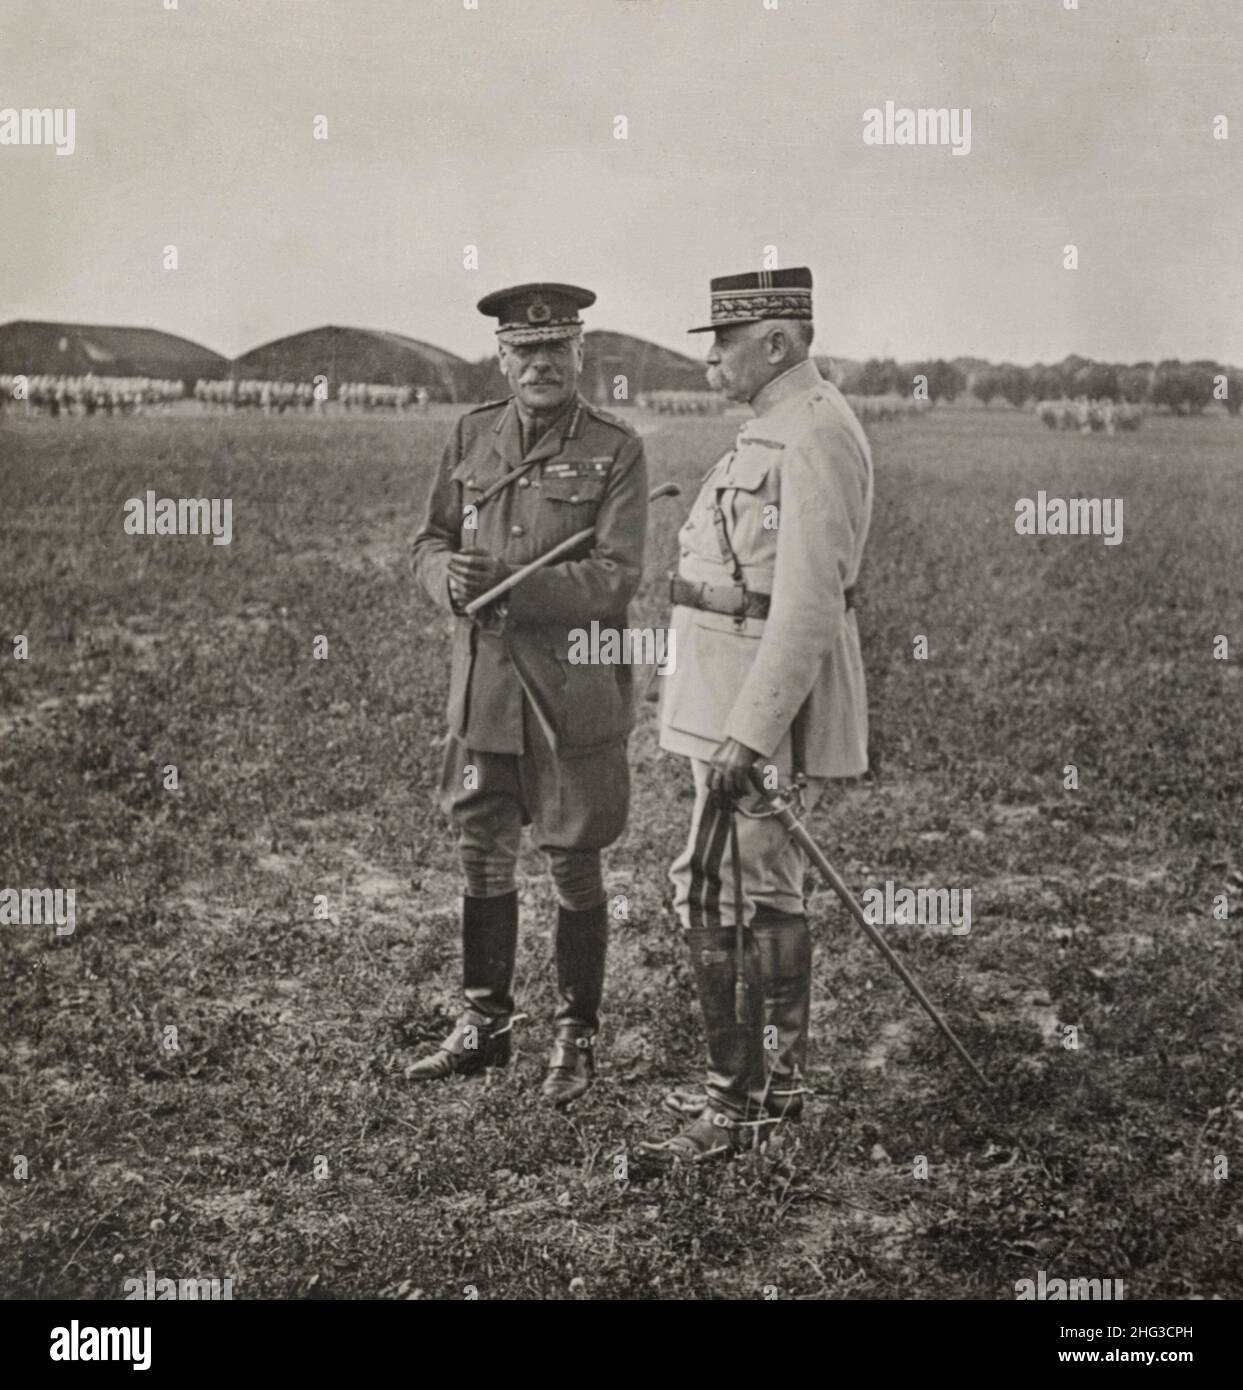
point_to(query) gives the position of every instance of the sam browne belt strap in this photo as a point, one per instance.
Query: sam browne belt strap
(733, 599)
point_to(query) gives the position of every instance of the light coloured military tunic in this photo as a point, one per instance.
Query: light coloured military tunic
(795, 494)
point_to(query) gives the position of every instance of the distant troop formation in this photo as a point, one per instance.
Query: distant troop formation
(869, 409)
(682, 402)
(251, 394)
(85, 395)
(277, 397)
(890, 406)
(1089, 417)
(53, 395)
(362, 395)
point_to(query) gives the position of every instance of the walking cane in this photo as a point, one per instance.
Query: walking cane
(562, 548)
(784, 812)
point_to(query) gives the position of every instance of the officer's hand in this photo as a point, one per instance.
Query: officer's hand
(474, 572)
(729, 770)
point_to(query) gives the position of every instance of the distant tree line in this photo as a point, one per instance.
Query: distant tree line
(941, 380)
(1184, 388)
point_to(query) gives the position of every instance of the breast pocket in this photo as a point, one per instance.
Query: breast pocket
(747, 472)
(473, 480)
(569, 505)
(749, 497)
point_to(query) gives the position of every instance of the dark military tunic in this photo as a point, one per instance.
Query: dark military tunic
(588, 469)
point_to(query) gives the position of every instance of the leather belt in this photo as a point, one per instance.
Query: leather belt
(733, 599)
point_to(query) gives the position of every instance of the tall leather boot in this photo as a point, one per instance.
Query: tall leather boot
(481, 1035)
(581, 946)
(783, 944)
(734, 1117)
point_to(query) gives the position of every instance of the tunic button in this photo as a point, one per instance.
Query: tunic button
(524, 482)
(574, 497)
(516, 531)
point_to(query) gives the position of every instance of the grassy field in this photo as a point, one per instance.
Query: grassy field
(270, 1138)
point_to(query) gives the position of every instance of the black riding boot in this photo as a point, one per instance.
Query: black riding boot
(581, 947)
(481, 1035)
(783, 947)
(734, 1118)
(783, 943)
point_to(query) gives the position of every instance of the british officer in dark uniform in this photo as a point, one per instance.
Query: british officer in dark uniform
(533, 737)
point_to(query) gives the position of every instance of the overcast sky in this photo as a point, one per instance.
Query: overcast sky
(495, 127)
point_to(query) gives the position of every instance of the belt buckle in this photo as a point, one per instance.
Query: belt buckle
(739, 613)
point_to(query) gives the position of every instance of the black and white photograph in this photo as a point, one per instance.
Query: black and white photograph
(620, 647)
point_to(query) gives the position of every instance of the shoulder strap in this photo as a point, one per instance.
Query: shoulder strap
(722, 535)
(502, 483)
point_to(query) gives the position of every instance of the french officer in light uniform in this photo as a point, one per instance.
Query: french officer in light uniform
(769, 673)
(533, 737)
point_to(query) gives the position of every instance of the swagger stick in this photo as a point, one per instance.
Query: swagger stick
(563, 548)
